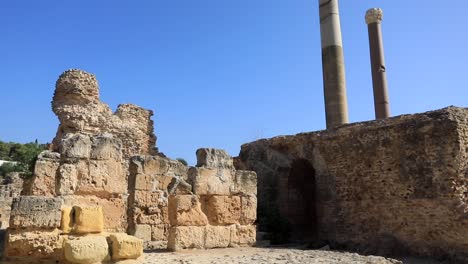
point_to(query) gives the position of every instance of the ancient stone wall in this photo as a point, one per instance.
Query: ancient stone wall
(78, 107)
(386, 186)
(208, 206)
(10, 188)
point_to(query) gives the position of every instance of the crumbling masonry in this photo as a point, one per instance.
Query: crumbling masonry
(103, 177)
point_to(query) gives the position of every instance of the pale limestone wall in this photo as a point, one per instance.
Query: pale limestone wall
(388, 186)
(208, 206)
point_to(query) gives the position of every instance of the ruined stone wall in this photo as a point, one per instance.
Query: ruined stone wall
(208, 206)
(10, 188)
(387, 186)
(78, 107)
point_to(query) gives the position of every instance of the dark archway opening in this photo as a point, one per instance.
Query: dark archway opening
(301, 200)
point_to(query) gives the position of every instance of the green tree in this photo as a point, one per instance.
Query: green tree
(24, 155)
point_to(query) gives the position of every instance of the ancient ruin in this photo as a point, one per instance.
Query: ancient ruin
(103, 178)
(390, 186)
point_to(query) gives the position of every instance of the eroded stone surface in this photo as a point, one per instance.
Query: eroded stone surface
(86, 250)
(36, 212)
(125, 246)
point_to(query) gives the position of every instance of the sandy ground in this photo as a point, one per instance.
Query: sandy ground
(269, 256)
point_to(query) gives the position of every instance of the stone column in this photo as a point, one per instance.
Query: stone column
(379, 77)
(334, 83)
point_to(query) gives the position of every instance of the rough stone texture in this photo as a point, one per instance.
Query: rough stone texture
(33, 245)
(35, 212)
(213, 158)
(384, 186)
(45, 173)
(243, 235)
(114, 210)
(88, 220)
(125, 246)
(218, 236)
(77, 105)
(183, 237)
(67, 221)
(185, 210)
(224, 210)
(86, 250)
(152, 180)
(211, 181)
(10, 188)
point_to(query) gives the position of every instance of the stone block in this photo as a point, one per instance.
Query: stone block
(86, 250)
(45, 172)
(218, 236)
(105, 177)
(66, 223)
(88, 219)
(210, 181)
(223, 210)
(184, 237)
(36, 212)
(185, 210)
(114, 210)
(150, 216)
(106, 147)
(75, 146)
(159, 232)
(144, 182)
(243, 235)
(148, 199)
(245, 183)
(125, 246)
(213, 158)
(248, 209)
(34, 245)
(143, 232)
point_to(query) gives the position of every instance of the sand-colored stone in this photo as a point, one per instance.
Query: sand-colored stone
(66, 223)
(88, 219)
(213, 158)
(36, 212)
(224, 210)
(45, 172)
(248, 209)
(125, 246)
(245, 183)
(105, 178)
(210, 181)
(185, 210)
(86, 250)
(159, 232)
(114, 210)
(218, 236)
(143, 232)
(184, 237)
(34, 245)
(243, 235)
(147, 199)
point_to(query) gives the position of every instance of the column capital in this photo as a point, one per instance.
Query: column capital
(374, 15)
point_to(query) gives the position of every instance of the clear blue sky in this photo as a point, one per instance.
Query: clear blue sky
(223, 73)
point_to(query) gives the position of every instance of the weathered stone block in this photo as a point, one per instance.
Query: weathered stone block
(34, 245)
(45, 171)
(68, 175)
(75, 146)
(147, 199)
(243, 235)
(105, 177)
(218, 236)
(213, 158)
(86, 250)
(144, 182)
(185, 210)
(224, 210)
(210, 181)
(125, 246)
(155, 216)
(248, 209)
(159, 232)
(66, 223)
(88, 219)
(183, 237)
(245, 183)
(143, 232)
(114, 210)
(35, 212)
(106, 147)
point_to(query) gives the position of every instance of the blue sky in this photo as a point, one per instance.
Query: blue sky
(223, 73)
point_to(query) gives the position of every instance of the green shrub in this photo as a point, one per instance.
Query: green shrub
(181, 160)
(24, 156)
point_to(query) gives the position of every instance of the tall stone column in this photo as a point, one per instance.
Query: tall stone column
(334, 83)
(379, 77)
